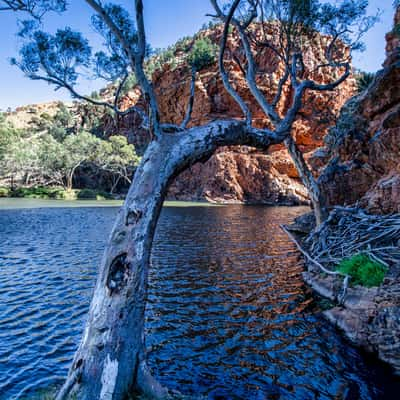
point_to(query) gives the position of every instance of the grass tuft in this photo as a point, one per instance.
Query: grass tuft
(363, 270)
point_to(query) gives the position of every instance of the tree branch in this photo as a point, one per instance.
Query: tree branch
(330, 86)
(191, 100)
(281, 84)
(229, 88)
(59, 83)
(140, 75)
(136, 57)
(113, 27)
(268, 109)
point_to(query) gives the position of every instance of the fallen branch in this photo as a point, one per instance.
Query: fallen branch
(305, 253)
(346, 279)
(350, 231)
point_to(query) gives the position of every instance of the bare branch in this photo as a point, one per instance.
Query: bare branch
(119, 89)
(229, 88)
(316, 196)
(140, 75)
(238, 63)
(281, 84)
(136, 57)
(330, 86)
(32, 7)
(113, 28)
(59, 83)
(191, 100)
(268, 109)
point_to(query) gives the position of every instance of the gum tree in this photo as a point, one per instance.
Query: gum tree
(117, 157)
(36, 8)
(111, 358)
(296, 24)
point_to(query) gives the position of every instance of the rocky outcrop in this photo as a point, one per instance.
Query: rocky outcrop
(241, 174)
(369, 317)
(363, 150)
(360, 164)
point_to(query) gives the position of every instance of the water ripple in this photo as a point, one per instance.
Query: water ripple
(228, 315)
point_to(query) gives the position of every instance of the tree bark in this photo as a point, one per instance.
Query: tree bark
(69, 181)
(111, 360)
(114, 184)
(316, 196)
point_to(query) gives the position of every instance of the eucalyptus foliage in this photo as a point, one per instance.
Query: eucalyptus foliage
(203, 54)
(36, 8)
(50, 153)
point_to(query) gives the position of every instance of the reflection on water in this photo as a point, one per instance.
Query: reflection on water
(228, 315)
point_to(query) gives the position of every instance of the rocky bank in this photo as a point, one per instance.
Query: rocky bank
(361, 158)
(360, 165)
(369, 317)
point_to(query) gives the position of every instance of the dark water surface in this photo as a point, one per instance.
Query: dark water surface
(228, 315)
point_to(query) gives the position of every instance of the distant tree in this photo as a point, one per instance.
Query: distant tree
(11, 151)
(111, 358)
(19, 160)
(363, 79)
(202, 54)
(117, 157)
(36, 8)
(7, 134)
(76, 150)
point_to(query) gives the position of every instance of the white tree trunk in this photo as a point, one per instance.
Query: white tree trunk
(316, 196)
(110, 360)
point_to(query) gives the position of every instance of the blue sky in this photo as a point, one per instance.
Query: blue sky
(166, 21)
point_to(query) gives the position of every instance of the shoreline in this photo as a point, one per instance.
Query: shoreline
(368, 317)
(18, 203)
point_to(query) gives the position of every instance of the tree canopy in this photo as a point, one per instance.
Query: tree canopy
(53, 148)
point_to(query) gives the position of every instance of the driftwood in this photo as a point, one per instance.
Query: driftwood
(350, 231)
(347, 232)
(342, 295)
(307, 255)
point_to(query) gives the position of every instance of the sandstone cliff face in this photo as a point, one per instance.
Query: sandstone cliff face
(363, 150)
(241, 174)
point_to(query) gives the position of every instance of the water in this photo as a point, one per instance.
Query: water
(228, 315)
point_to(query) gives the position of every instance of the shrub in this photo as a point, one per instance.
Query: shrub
(87, 194)
(4, 192)
(37, 192)
(364, 80)
(363, 270)
(203, 54)
(90, 194)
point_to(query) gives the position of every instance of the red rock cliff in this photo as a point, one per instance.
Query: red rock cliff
(363, 150)
(242, 174)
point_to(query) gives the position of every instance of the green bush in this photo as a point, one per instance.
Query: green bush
(35, 193)
(90, 194)
(44, 193)
(203, 54)
(4, 192)
(364, 80)
(62, 194)
(363, 270)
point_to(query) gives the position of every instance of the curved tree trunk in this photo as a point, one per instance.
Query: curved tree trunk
(110, 360)
(316, 196)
